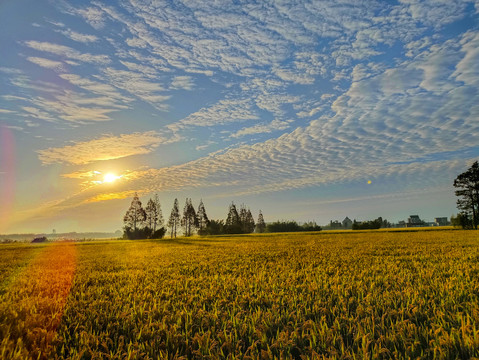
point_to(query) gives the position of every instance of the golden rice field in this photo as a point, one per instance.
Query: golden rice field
(356, 295)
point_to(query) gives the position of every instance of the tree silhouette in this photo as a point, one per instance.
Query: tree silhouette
(174, 220)
(233, 221)
(202, 218)
(158, 219)
(135, 215)
(249, 222)
(467, 184)
(189, 220)
(150, 210)
(243, 215)
(260, 224)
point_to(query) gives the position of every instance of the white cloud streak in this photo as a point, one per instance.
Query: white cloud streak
(67, 52)
(46, 63)
(104, 148)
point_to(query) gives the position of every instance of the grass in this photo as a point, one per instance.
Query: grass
(364, 295)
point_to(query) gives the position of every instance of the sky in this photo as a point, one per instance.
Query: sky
(305, 110)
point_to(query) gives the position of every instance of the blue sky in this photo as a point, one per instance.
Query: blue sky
(313, 111)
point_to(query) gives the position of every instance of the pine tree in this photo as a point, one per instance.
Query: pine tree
(150, 214)
(174, 220)
(468, 193)
(189, 220)
(233, 222)
(260, 224)
(203, 220)
(249, 222)
(158, 214)
(243, 215)
(135, 215)
(184, 221)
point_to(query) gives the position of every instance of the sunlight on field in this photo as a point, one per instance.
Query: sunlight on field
(348, 295)
(31, 306)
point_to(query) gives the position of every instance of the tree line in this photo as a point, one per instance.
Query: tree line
(371, 224)
(148, 222)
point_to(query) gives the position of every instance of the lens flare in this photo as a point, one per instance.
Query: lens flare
(7, 174)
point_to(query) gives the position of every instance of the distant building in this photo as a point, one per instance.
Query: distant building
(347, 223)
(441, 221)
(335, 225)
(414, 221)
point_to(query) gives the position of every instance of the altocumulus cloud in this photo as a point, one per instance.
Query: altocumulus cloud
(389, 123)
(104, 148)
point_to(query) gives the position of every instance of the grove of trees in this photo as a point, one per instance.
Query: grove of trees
(144, 223)
(241, 222)
(147, 223)
(292, 226)
(370, 224)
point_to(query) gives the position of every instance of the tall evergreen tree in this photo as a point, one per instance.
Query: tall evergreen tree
(135, 215)
(189, 220)
(249, 222)
(233, 222)
(203, 220)
(260, 224)
(468, 193)
(158, 214)
(150, 211)
(243, 215)
(174, 220)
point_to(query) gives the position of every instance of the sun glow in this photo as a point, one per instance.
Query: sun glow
(110, 177)
(99, 177)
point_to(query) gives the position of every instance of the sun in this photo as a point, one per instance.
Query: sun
(110, 177)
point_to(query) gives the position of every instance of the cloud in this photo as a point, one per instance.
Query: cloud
(436, 13)
(10, 71)
(46, 63)
(73, 107)
(82, 174)
(364, 71)
(467, 70)
(147, 71)
(67, 52)
(137, 85)
(182, 83)
(294, 76)
(83, 38)
(37, 113)
(96, 87)
(111, 196)
(93, 16)
(52, 102)
(416, 46)
(389, 124)
(107, 147)
(223, 112)
(275, 125)
(136, 42)
(275, 103)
